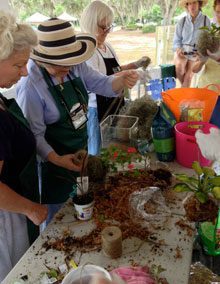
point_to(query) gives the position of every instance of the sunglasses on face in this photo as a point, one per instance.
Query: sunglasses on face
(106, 29)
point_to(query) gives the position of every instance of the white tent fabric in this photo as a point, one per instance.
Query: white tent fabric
(67, 17)
(37, 18)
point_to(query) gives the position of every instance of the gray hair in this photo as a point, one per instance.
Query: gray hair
(93, 14)
(14, 36)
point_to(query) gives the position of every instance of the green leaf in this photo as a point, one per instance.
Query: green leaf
(197, 168)
(216, 192)
(214, 181)
(185, 178)
(204, 28)
(208, 171)
(202, 197)
(182, 187)
(53, 273)
(182, 177)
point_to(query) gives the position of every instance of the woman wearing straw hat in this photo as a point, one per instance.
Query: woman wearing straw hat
(19, 196)
(185, 38)
(54, 99)
(97, 19)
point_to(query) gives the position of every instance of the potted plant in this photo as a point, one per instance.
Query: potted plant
(205, 188)
(82, 195)
(209, 38)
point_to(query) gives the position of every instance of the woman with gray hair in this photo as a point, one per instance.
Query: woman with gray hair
(97, 19)
(54, 100)
(18, 172)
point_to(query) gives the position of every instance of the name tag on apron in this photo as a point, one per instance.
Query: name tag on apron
(78, 115)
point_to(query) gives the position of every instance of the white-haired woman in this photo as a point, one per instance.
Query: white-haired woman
(18, 168)
(54, 99)
(185, 39)
(97, 19)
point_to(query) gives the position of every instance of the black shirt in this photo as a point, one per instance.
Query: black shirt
(17, 145)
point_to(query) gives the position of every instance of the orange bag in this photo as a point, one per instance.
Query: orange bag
(173, 98)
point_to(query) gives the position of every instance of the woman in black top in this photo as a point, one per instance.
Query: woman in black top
(18, 178)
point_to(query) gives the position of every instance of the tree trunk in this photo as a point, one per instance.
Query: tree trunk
(119, 15)
(168, 8)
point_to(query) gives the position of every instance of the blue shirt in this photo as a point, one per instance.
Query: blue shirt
(187, 32)
(38, 104)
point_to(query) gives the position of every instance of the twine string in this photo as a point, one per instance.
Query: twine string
(112, 241)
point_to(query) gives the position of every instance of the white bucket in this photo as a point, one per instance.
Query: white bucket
(84, 212)
(83, 274)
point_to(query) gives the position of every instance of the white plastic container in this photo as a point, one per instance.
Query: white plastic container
(84, 274)
(84, 212)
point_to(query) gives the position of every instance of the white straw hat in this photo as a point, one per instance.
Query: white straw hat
(59, 45)
(183, 3)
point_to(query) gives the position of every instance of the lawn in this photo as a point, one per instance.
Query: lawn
(132, 45)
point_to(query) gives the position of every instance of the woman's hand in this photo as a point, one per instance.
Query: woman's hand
(130, 78)
(37, 213)
(64, 161)
(215, 56)
(179, 52)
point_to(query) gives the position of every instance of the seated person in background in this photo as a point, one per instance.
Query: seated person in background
(97, 19)
(54, 100)
(185, 39)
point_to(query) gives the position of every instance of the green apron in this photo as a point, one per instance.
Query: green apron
(57, 182)
(28, 176)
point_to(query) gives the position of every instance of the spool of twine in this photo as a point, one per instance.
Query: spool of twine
(112, 241)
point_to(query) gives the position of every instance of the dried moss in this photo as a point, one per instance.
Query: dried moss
(208, 41)
(145, 109)
(96, 170)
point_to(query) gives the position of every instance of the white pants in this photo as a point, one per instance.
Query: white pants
(13, 240)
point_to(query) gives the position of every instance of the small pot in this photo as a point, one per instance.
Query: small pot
(84, 206)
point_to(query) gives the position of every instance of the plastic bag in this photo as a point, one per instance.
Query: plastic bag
(148, 207)
(191, 110)
(201, 274)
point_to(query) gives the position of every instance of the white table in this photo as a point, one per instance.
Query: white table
(176, 243)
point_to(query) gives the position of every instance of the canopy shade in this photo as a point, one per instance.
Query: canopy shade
(37, 18)
(67, 17)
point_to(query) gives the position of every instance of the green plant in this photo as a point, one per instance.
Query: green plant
(205, 184)
(131, 27)
(146, 29)
(114, 156)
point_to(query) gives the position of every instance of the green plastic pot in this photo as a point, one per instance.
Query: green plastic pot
(207, 233)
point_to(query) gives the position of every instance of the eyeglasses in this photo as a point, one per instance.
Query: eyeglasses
(106, 29)
(189, 53)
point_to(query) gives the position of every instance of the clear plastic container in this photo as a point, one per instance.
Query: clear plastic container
(118, 129)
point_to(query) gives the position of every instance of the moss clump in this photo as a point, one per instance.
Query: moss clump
(96, 169)
(209, 38)
(145, 109)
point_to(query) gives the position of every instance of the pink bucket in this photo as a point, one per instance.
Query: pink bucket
(187, 150)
